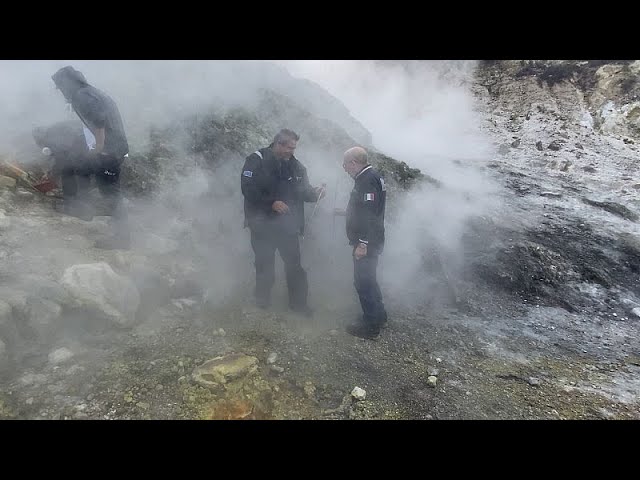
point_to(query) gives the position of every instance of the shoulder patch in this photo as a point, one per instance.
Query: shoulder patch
(247, 173)
(369, 197)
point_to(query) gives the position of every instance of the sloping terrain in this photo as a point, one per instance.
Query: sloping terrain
(539, 319)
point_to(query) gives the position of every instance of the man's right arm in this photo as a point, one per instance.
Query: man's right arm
(251, 183)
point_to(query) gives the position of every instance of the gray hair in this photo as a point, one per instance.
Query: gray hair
(358, 155)
(285, 135)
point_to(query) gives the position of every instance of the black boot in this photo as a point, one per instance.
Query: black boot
(363, 330)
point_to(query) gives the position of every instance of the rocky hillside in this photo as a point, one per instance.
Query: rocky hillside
(566, 133)
(228, 135)
(601, 96)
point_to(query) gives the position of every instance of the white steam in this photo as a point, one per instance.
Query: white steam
(420, 112)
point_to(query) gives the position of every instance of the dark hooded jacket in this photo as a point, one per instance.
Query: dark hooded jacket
(264, 180)
(95, 108)
(66, 141)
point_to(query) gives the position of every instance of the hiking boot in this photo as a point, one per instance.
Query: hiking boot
(363, 330)
(382, 323)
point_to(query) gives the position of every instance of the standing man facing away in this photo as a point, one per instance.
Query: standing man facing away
(275, 186)
(101, 116)
(365, 231)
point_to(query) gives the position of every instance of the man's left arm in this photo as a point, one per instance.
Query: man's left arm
(94, 112)
(99, 133)
(371, 203)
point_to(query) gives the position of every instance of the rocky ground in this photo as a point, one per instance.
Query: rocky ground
(543, 321)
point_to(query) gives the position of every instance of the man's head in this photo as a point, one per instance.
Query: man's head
(284, 144)
(68, 80)
(355, 159)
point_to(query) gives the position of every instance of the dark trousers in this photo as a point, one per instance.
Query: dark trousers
(265, 241)
(76, 181)
(366, 283)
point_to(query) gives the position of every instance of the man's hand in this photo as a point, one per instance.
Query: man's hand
(280, 207)
(320, 191)
(360, 251)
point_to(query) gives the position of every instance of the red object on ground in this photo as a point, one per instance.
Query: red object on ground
(45, 185)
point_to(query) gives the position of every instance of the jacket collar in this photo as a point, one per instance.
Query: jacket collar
(368, 167)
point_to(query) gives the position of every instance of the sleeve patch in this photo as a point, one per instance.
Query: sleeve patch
(247, 173)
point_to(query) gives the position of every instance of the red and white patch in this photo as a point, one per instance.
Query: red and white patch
(369, 197)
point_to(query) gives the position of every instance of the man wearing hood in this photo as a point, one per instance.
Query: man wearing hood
(275, 186)
(101, 116)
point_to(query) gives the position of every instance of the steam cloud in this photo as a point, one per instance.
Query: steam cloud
(418, 112)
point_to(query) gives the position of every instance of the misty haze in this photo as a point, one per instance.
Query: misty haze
(509, 271)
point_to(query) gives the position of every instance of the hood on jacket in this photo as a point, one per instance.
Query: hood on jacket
(69, 80)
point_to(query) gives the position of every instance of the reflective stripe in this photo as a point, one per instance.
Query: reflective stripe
(368, 167)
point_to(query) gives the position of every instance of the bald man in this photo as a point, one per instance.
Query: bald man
(365, 231)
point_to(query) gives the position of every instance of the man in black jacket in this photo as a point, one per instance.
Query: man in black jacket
(275, 186)
(101, 116)
(365, 231)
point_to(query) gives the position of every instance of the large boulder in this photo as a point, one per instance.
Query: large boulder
(98, 288)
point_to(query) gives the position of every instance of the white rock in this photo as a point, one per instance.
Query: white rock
(586, 120)
(60, 355)
(358, 393)
(636, 311)
(96, 286)
(629, 303)
(7, 181)
(272, 358)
